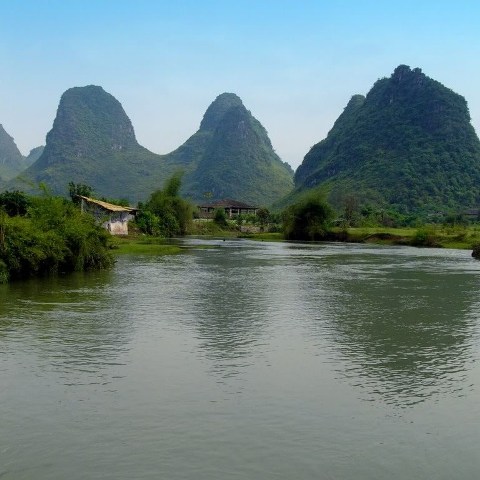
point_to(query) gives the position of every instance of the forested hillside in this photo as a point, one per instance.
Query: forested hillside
(408, 144)
(233, 157)
(92, 142)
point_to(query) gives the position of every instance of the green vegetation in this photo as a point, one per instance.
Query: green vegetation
(143, 245)
(429, 235)
(407, 148)
(166, 214)
(92, 142)
(234, 157)
(220, 218)
(79, 189)
(309, 219)
(12, 162)
(212, 229)
(14, 203)
(48, 236)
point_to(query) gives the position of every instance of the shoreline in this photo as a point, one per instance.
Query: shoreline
(426, 237)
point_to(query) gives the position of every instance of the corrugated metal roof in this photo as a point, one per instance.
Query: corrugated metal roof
(108, 206)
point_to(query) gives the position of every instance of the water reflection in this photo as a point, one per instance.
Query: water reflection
(398, 324)
(74, 324)
(230, 306)
(403, 327)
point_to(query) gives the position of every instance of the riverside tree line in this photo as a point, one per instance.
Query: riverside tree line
(47, 234)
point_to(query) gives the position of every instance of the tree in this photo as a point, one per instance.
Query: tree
(308, 219)
(172, 214)
(76, 189)
(52, 237)
(220, 217)
(263, 215)
(14, 203)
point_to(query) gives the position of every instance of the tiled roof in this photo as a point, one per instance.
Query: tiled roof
(226, 203)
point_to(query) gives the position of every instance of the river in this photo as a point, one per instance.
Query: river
(246, 360)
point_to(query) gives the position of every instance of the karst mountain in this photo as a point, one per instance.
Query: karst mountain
(93, 142)
(407, 144)
(12, 162)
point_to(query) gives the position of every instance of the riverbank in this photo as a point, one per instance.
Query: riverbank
(428, 236)
(139, 244)
(431, 236)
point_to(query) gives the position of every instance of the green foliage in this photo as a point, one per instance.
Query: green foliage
(92, 142)
(220, 217)
(407, 146)
(307, 220)
(234, 157)
(123, 202)
(148, 223)
(4, 276)
(173, 184)
(425, 237)
(14, 203)
(263, 215)
(166, 214)
(54, 237)
(76, 189)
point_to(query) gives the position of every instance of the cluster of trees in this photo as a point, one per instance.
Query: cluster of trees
(166, 214)
(308, 219)
(47, 234)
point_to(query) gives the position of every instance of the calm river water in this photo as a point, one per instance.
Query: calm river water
(246, 361)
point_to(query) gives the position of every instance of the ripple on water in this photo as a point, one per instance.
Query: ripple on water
(250, 359)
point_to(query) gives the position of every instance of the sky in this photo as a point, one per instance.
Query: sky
(295, 64)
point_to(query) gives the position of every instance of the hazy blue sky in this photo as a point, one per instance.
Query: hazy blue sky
(295, 64)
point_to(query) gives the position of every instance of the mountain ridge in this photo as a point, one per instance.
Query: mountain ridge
(408, 144)
(12, 162)
(93, 141)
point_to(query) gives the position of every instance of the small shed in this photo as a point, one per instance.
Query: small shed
(114, 218)
(232, 208)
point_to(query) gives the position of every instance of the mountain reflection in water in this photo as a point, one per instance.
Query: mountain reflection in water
(248, 359)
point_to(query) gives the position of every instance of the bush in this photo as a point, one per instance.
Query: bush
(476, 251)
(148, 222)
(308, 219)
(53, 237)
(14, 203)
(166, 214)
(220, 217)
(425, 237)
(3, 272)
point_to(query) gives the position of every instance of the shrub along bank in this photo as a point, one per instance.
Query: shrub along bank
(48, 236)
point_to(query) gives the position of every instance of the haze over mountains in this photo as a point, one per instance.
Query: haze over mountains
(12, 162)
(92, 141)
(407, 145)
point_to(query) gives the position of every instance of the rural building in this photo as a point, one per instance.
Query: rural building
(232, 208)
(114, 218)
